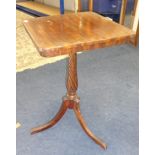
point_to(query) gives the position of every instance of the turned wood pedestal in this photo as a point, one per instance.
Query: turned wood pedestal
(69, 34)
(71, 101)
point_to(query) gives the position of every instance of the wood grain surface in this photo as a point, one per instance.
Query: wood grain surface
(90, 5)
(60, 34)
(123, 12)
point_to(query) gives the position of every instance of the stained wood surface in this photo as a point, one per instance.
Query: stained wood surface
(90, 5)
(79, 6)
(135, 24)
(136, 16)
(123, 12)
(135, 7)
(60, 34)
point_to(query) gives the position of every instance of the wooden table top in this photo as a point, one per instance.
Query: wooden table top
(61, 34)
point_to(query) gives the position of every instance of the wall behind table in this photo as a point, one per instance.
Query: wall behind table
(21, 0)
(69, 4)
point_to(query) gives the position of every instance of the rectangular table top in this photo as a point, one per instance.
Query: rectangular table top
(61, 34)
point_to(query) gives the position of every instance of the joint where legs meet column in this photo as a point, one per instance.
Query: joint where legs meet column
(71, 101)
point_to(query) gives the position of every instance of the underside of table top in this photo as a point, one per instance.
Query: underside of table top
(61, 34)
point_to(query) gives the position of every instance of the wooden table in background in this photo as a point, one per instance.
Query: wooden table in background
(69, 34)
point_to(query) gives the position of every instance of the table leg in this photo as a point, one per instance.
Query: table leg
(71, 101)
(51, 123)
(86, 129)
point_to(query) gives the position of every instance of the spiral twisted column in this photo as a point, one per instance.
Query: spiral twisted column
(71, 77)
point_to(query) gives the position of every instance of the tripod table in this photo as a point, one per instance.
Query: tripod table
(69, 34)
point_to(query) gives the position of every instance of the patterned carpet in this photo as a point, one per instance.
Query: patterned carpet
(27, 56)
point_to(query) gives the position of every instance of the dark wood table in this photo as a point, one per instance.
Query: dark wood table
(69, 34)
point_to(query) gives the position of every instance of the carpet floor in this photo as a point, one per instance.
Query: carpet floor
(108, 88)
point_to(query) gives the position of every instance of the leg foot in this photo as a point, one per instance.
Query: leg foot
(51, 123)
(85, 128)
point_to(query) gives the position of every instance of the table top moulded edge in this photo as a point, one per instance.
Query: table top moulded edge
(77, 47)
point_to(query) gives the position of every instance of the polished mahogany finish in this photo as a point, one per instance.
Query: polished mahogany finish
(68, 34)
(60, 34)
